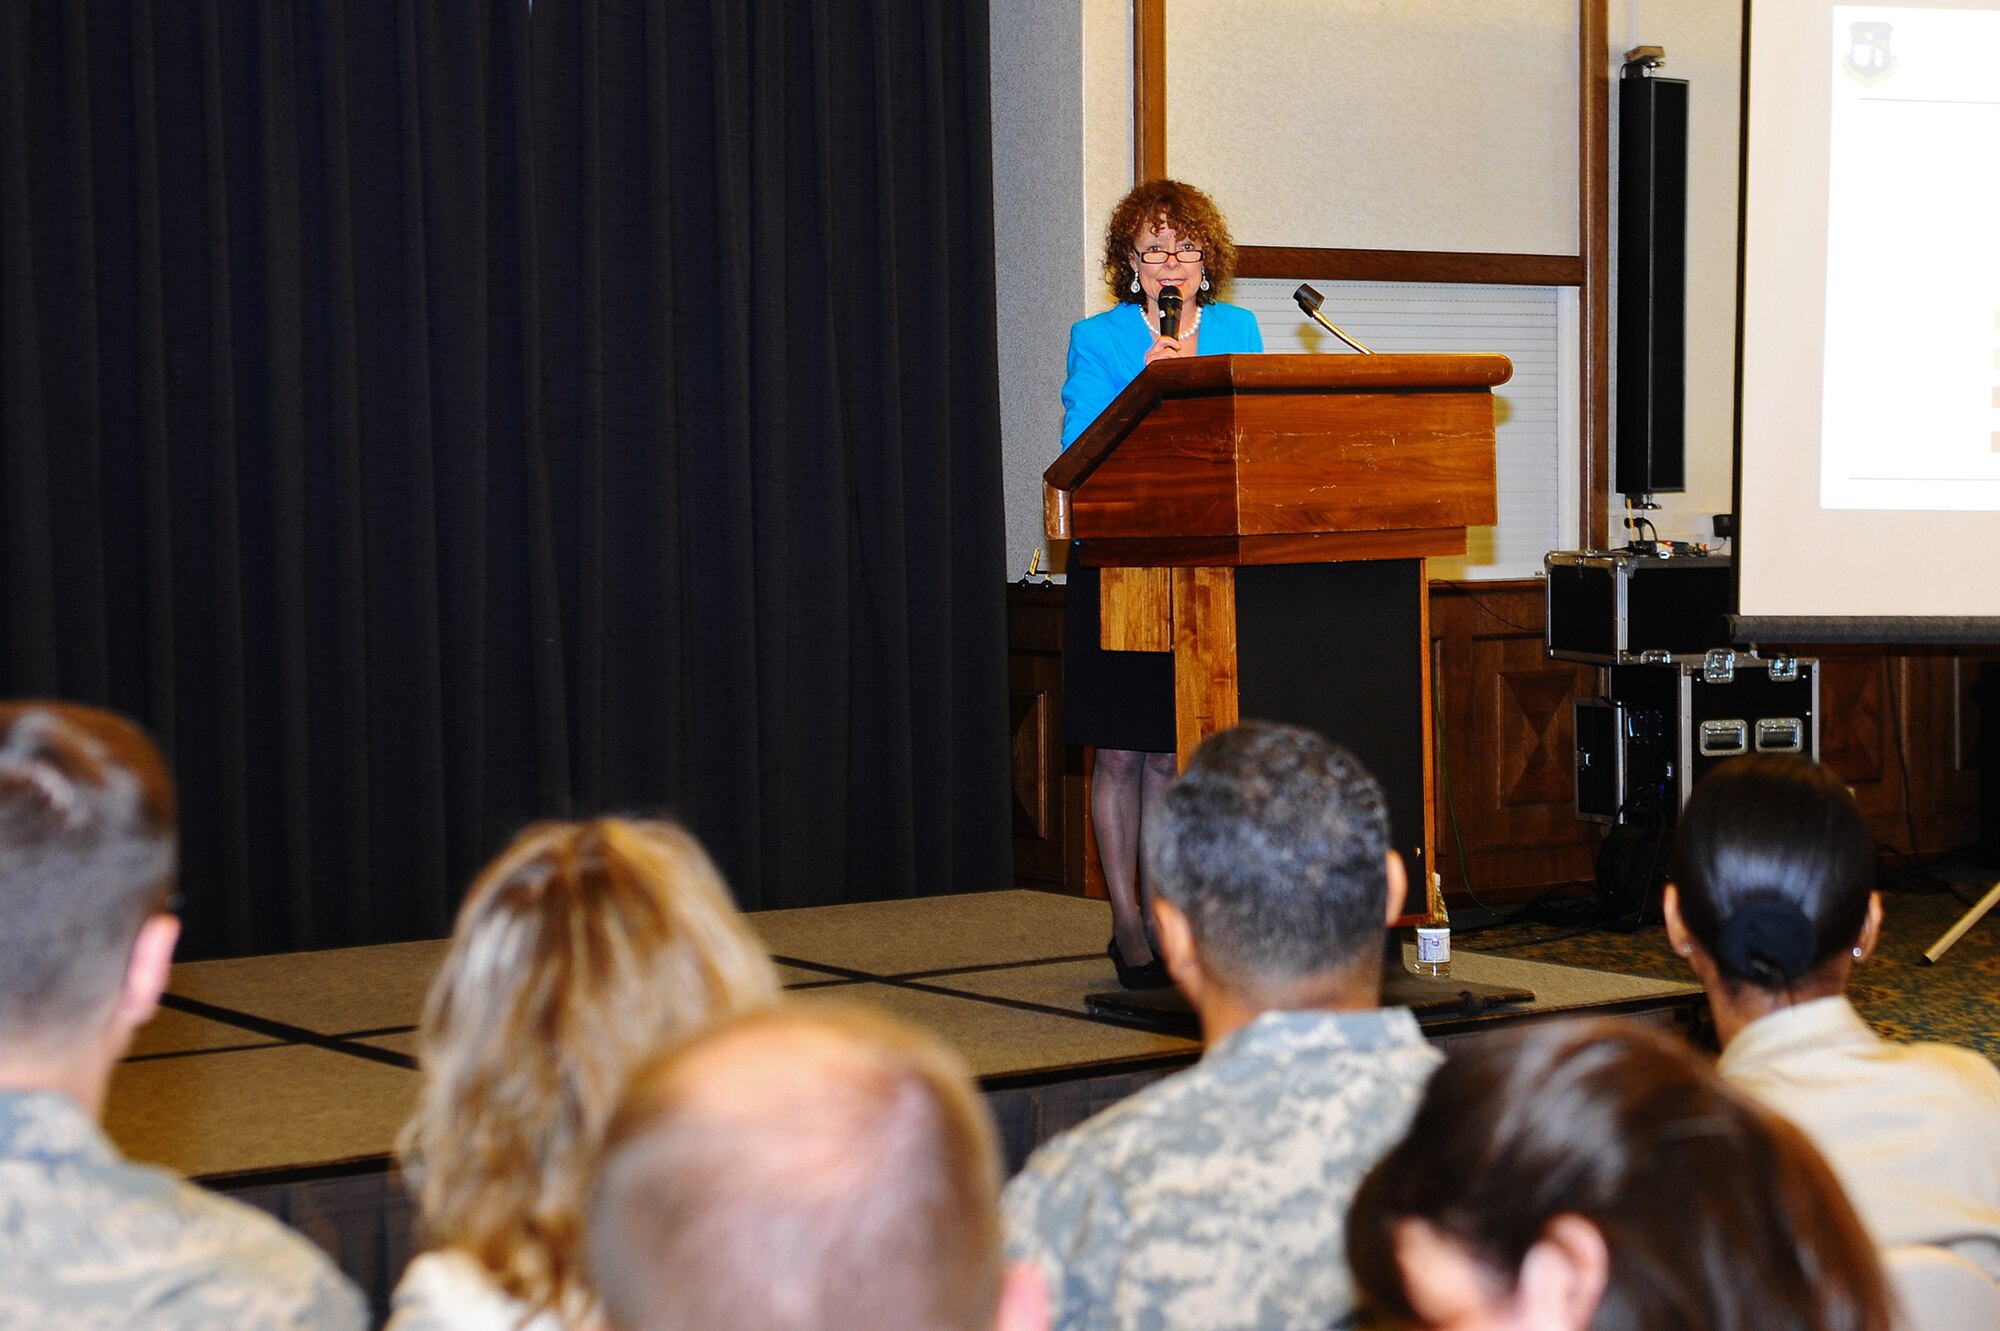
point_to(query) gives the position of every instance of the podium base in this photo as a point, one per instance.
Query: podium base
(1168, 1012)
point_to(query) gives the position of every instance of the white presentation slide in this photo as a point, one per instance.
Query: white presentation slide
(1868, 450)
(1911, 388)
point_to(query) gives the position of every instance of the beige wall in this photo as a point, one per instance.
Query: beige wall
(1445, 124)
(1107, 133)
(1038, 225)
(1062, 156)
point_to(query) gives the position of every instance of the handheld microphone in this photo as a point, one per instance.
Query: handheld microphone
(1309, 301)
(1170, 311)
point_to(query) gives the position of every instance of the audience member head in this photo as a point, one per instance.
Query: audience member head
(1774, 875)
(86, 868)
(799, 1171)
(1602, 1176)
(1270, 856)
(577, 951)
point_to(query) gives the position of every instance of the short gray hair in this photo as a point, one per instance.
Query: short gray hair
(1274, 844)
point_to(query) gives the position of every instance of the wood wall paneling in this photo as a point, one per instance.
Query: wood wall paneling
(1957, 728)
(1506, 782)
(1043, 816)
(1900, 726)
(1859, 730)
(1947, 726)
(1898, 723)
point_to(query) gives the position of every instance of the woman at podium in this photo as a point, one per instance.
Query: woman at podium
(1167, 253)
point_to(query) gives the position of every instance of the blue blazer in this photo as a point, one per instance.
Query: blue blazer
(1107, 351)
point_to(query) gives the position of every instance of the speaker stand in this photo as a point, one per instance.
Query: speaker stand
(1965, 922)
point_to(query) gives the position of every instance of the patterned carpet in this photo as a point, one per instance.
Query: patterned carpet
(1956, 1001)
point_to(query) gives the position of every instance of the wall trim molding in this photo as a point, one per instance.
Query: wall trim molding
(1527, 270)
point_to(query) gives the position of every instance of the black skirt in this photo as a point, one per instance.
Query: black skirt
(1111, 700)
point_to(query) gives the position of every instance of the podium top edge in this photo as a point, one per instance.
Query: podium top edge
(1335, 371)
(1259, 372)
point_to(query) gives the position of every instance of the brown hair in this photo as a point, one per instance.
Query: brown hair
(1715, 1212)
(86, 855)
(1193, 216)
(577, 951)
(796, 1171)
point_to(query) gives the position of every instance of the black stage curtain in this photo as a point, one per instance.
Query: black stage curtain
(432, 417)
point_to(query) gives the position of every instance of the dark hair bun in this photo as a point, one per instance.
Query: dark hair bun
(1766, 940)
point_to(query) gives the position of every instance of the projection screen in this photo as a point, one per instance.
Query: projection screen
(1868, 425)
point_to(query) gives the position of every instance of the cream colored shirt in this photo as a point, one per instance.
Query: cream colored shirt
(449, 1290)
(1911, 1130)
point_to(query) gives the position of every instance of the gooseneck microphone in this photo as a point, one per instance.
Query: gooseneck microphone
(1309, 301)
(1170, 311)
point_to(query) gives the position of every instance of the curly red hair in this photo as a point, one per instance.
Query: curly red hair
(1193, 216)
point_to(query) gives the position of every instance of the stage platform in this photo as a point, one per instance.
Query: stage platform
(284, 1079)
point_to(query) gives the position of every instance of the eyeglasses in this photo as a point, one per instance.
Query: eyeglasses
(1187, 256)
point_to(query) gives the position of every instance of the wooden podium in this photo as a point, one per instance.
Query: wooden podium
(1266, 519)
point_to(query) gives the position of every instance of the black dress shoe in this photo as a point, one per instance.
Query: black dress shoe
(1152, 975)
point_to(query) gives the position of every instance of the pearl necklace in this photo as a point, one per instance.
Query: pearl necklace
(1185, 333)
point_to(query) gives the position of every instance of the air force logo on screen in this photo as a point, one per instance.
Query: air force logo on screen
(1869, 59)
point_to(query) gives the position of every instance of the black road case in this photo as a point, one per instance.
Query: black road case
(1665, 725)
(1619, 605)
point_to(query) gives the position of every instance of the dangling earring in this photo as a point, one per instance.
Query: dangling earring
(1204, 281)
(1135, 284)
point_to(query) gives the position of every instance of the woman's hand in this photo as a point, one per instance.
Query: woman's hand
(1167, 348)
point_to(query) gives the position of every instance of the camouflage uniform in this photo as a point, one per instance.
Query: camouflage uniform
(1216, 1199)
(88, 1239)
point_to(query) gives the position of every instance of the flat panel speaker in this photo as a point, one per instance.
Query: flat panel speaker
(1651, 428)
